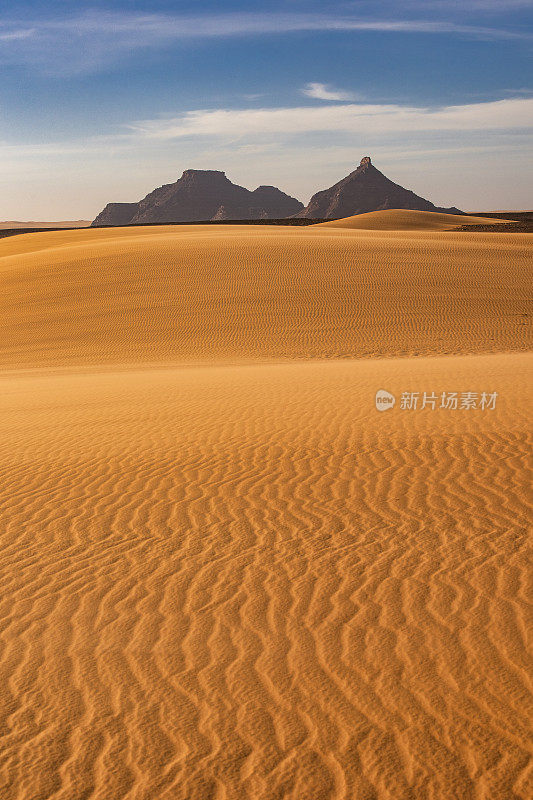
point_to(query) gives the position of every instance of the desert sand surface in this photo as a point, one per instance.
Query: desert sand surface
(202, 294)
(225, 574)
(401, 219)
(75, 223)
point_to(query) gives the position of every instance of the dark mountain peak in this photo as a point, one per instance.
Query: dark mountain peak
(363, 190)
(269, 191)
(207, 194)
(201, 194)
(364, 170)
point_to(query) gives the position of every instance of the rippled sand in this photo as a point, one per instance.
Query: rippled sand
(225, 574)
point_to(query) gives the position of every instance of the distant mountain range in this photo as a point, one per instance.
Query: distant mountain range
(208, 195)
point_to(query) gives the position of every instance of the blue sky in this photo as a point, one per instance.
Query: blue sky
(103, 101)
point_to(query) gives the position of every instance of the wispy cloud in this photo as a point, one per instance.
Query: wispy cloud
(321, 91)
(491, 6)
(89, 41)
(351, 118)
(16, 35)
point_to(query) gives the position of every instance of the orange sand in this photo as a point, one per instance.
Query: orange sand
(211, 293)
(400, 219)
(235, 578)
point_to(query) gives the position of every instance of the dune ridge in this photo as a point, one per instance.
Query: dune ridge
(238, 579)
(201, 294)
(403, 219)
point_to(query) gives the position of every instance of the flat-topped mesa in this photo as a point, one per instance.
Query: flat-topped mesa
(203, 175)
(201, 172)
(202, 195)
(363, 190)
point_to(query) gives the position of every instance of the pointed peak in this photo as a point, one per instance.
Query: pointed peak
(363, 190)
(366, 163)
(365, 170)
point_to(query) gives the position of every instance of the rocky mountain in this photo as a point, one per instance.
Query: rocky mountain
(365, 189)
(116, 214)
(201, 195)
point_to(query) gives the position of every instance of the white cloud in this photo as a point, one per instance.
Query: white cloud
(17, 35)
(89, 41)
(350, 118)
(321, 91)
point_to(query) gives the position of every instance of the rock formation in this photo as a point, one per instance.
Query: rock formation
(116, 214)
(201, 195)
(365, 189)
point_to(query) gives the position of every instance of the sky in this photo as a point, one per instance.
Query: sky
(103, 101)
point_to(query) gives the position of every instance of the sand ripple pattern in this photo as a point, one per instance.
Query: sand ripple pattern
(243, 582)
(205, 294)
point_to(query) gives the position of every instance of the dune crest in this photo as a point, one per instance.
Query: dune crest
(406, 220)
(204, 294)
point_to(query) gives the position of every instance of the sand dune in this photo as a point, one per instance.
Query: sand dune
(238, 579)
(404, 220)
(202, 294)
